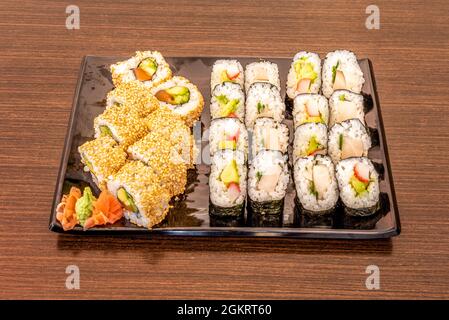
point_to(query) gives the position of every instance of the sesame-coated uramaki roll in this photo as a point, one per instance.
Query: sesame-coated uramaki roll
(102, 157)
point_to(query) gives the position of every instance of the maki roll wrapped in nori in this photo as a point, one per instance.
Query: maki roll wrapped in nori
(358, 182)
(148, 67)
(345, 105)
(316, 186)
(268, 179)
(310, 139)
(227, 183)
(227, 133)
(102, 157)
(341, 71)
(304, 75)
(348, 139)
(122, 123)
(182, 97)
(269, 134)
(134, 95)
(228, 101)
(263, 100)
(262, 71)
(145, 201)
(310, 107)
(224, 71)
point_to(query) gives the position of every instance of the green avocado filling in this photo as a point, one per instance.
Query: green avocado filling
(312, 189)
(126, 200)
(84, 206)
(342, 97)
(180, 95)
(334, 71)
(230, 173)
(258, 176)
(359, 187)
(106, 131)
(260, 107)
(304, 69)
(224, 77)
(227, 106)
(316, 119)
(314, 145)
(149, 65)
(340, 142)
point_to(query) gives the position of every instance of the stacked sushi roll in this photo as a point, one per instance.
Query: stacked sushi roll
(143, 142)
(228, 140)
(331, 141)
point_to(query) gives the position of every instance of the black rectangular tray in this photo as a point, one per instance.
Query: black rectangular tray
(190, 214)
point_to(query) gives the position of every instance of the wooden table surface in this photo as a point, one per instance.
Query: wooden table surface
(39, 62)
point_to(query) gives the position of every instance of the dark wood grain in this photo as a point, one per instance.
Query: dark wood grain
(39, 61)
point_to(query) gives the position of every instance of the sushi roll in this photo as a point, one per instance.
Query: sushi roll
(145, 202)
(165, 157)
(310, 139)
(348, 139)
(135, 95)
(227, 182)
(316, 186)
(269, 134)
(341, 71)
(345, 105)
(310, 107)
(148, 67)
(262, 71)
(102, 157)
(226, 71)
(228, 100)
(304, 75)
(268, 179)
(122, 123)
(182, 97)
(263, 100)
(358, 182)
(229, 134)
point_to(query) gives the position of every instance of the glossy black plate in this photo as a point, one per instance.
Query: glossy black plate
(190, 214)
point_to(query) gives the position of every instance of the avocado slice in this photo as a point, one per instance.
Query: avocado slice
(340, 142)
(316, 119)
(230, 173)
(227, 144)
(224, 77)
(229, 107)
(314, 145)
(180, 94)
(359, 186)
(304, 69)
(126, 200)
(149, 66)
(334, 71)
(105, 130)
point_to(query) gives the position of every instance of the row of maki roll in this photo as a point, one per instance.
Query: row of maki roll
(331, 141)
(268, 175)
(228, 140)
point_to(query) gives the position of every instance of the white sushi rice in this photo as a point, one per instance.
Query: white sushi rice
(304, 133)
(218, 190)
(222, 129)
(265, 163)
(267, 95)
(303, 176)
(269, 134)
(344, 172)
(262, 71)
(231, 91)
(348, 65)
(224, 65)
(353, 129)
(302, 102)
(189, 111)
(350, 108)
(123, 71)
(292, 78)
